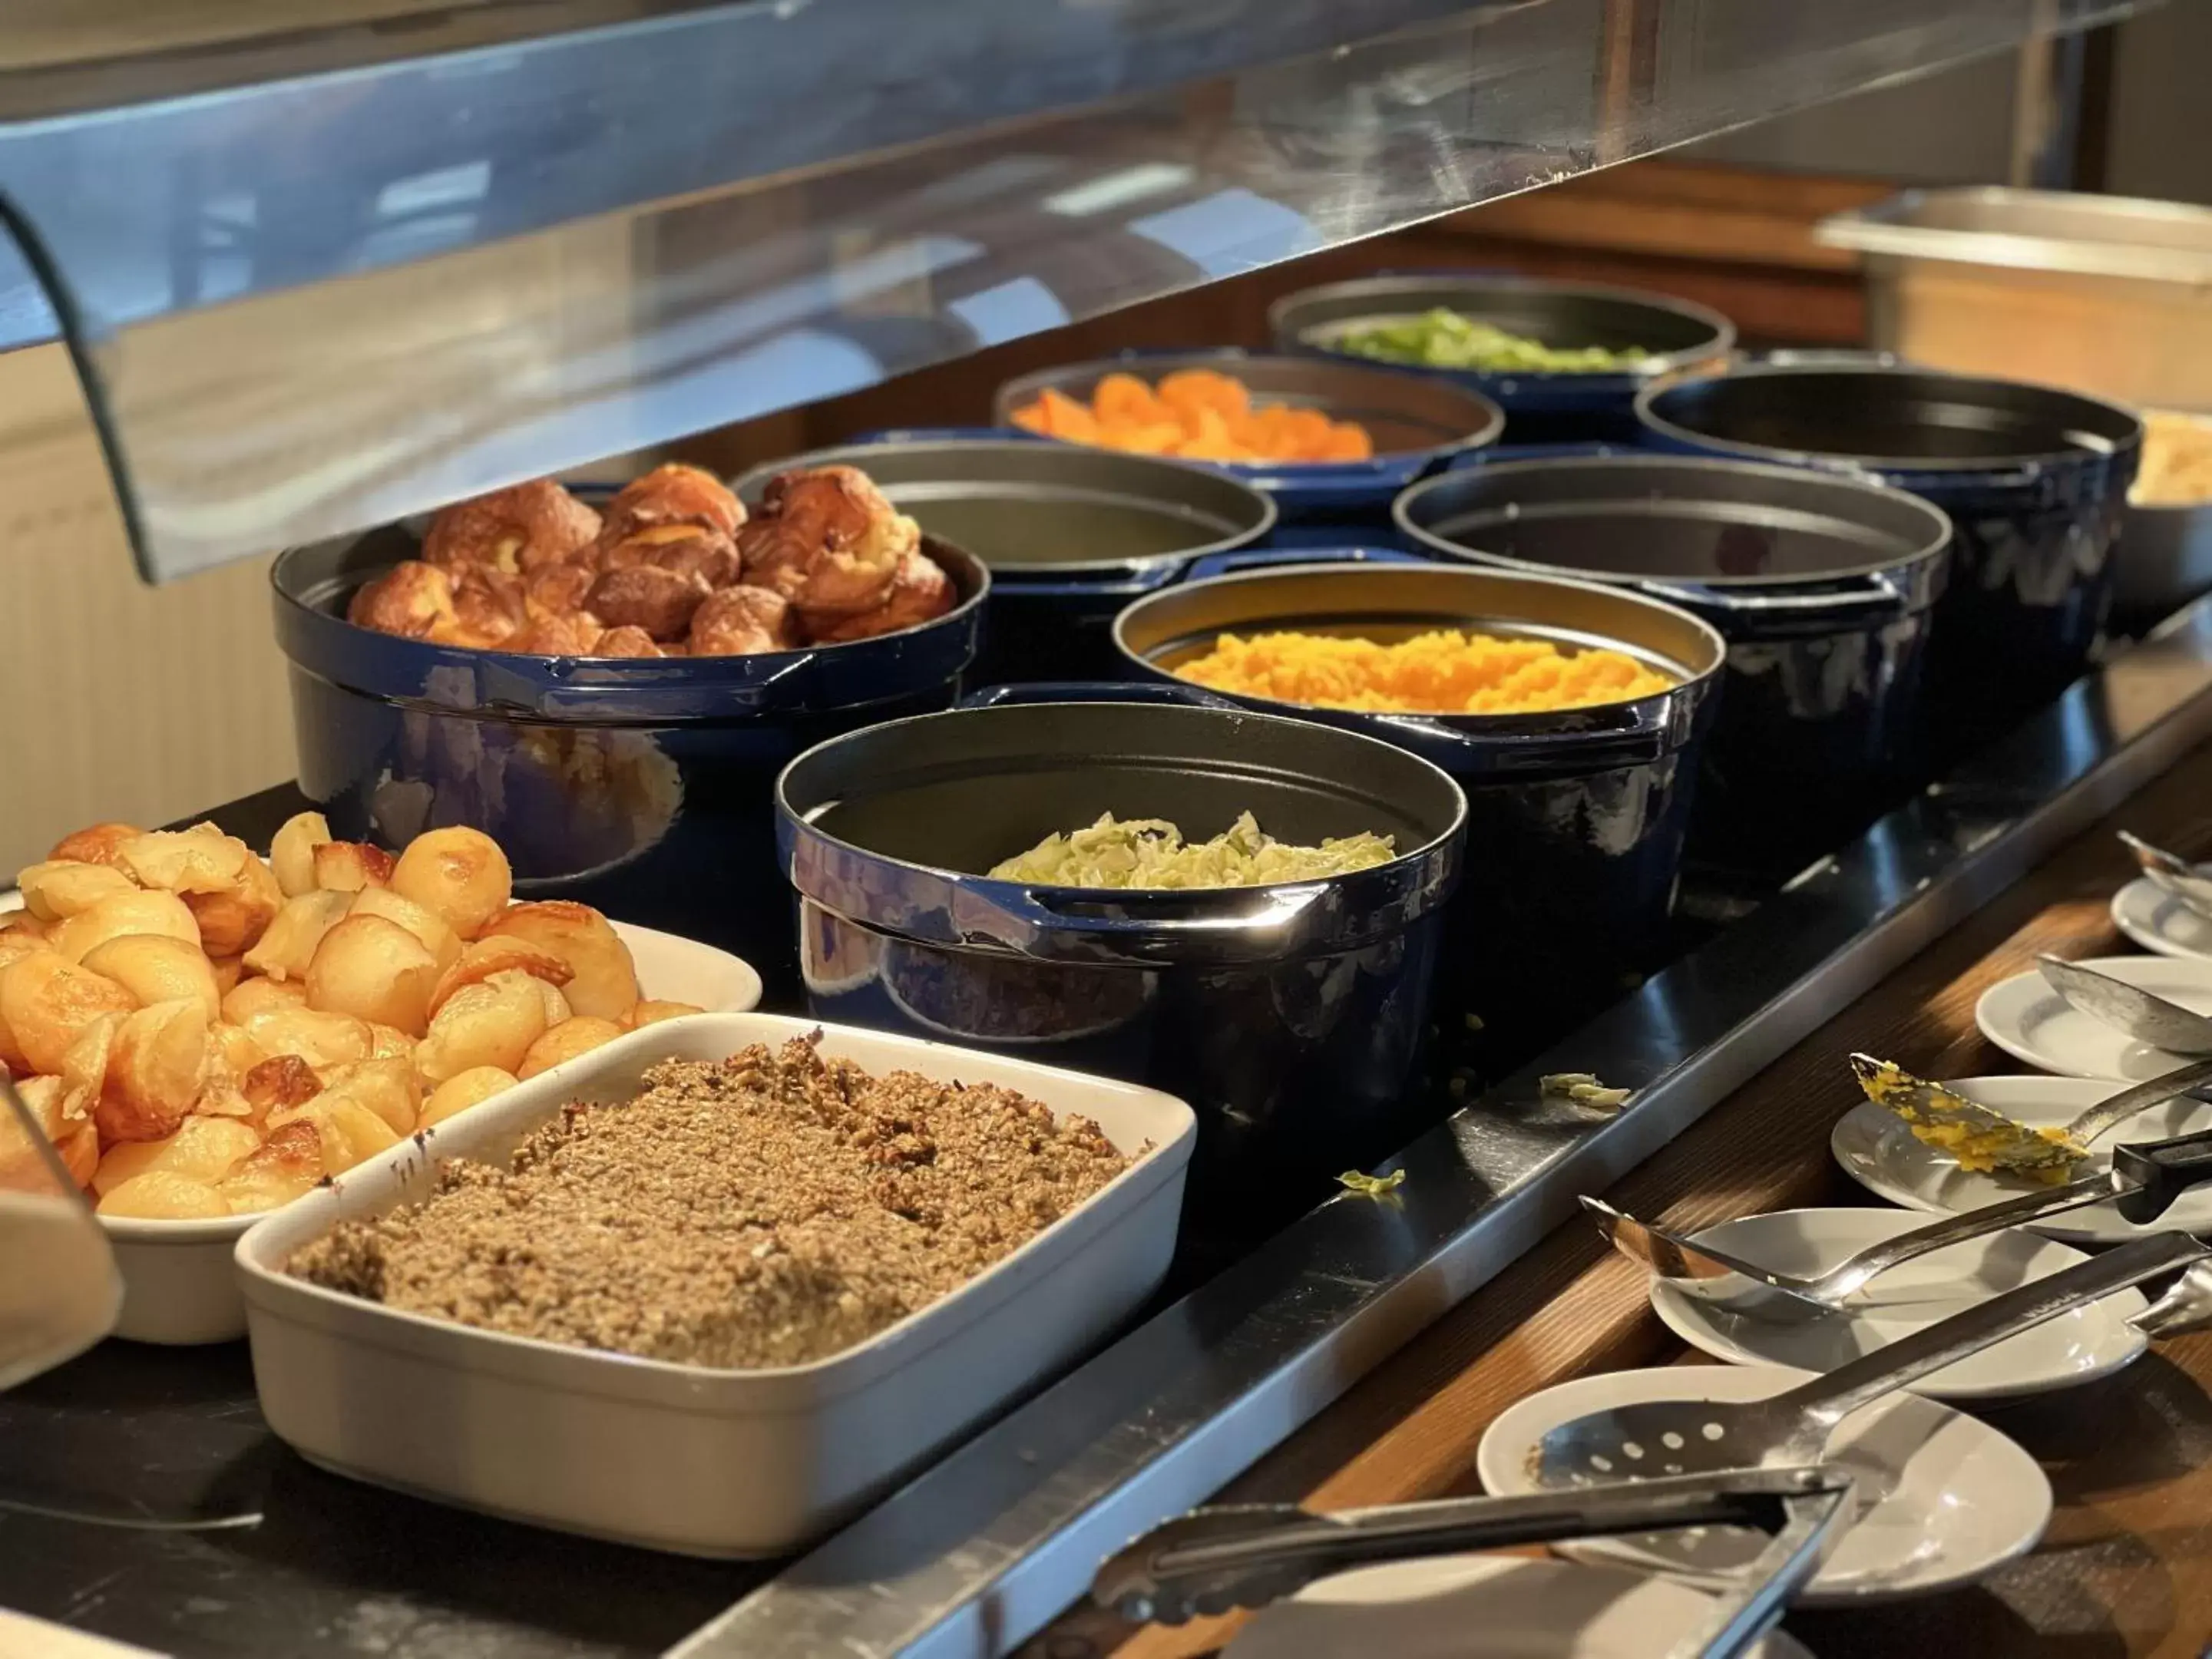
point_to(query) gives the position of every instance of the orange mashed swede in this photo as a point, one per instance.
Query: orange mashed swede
(1443, 672)
(1196, 414)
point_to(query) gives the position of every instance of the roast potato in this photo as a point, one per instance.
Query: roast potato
(96, 843)
(205, 1149)
(292, 853)
(458, 873)
(155, 967)
(284, 950)
(250, 997)
(603, 979)
(578, 1035)
(158, 1195)
(374, 970)
(158, 1067)
(147, 911)
(47, 1001)
(286, 1166)
(462, 1090)
(59, 889)
(490, 1023)
(443, 944)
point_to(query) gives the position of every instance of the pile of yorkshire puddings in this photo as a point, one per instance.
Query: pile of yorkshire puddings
(673, 568)
(200, 1032)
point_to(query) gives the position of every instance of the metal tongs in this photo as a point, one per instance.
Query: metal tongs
(1214, 1560)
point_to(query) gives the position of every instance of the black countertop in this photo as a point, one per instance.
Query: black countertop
(142, 1498)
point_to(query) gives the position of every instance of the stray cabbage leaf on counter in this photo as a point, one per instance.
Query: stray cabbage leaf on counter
(1583, 1089)
(1151, 854)
(1368, 1186)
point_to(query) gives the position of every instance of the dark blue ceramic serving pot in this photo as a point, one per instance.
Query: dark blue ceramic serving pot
(1292, 1018)
(1825, 588)
(1575, 817)
(644, 787)
(2034, 480)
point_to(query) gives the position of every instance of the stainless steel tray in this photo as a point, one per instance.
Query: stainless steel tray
(2106, 293)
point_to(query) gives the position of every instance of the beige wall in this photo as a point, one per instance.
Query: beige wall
(116, 701)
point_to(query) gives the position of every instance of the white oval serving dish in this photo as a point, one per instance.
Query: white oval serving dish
(705, 1462)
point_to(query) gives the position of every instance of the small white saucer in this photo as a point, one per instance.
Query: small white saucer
(1502, 1606)
(2076, 1347)
(2031, 1022)
(2158, 922)
(1945, 1498)
(1878, 1151)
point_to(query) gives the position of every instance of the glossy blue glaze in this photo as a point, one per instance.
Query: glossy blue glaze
(2034, 481)
(1824, 587)
(1576, 818)
(1293, 1018)
(642, 787)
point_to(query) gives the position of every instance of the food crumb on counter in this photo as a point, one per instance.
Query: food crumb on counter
(1583, 1089)
(772, 1209)
(1368, 1186)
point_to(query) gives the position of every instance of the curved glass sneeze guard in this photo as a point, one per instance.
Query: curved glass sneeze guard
(309, 305)
(59, 1291)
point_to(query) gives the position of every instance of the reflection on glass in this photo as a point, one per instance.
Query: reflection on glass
(59, 1291)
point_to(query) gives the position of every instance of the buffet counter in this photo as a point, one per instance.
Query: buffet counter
(2125, 1566)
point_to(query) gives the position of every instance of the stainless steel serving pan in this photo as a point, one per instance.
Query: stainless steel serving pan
(2109, 295)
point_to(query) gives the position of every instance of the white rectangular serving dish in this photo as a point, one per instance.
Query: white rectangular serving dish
(703, 1462)
(179, 1286)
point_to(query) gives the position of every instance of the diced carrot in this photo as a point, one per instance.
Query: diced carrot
(1348, 442)
(1196, 413)
(1125, 400)
(1156, 438)
(1187, 390)
(1069, 418)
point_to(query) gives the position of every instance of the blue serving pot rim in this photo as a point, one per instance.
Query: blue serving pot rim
(1900, 583)
(1213, 927)
(995, 441)
(1500, 747)
(612, 691)
(1934, 472)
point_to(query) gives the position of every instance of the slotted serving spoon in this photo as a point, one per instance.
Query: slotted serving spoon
(1213, 1559)
(2014, 1147)
(1792, 1428)
(2172, 875)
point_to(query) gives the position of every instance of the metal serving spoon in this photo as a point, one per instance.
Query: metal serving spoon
(2014, 1147)
(1792, 1428)
(2128, 1009)
(2172, 875)
(1227, 1556)
(2154, 1175)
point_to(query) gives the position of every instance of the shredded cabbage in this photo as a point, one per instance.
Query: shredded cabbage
(1443, 338)
(1150, 852)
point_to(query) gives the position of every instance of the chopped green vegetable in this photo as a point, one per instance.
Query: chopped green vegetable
(1583, 1089)
(1368, 1186)
(1150, 852)
(1445, 339)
